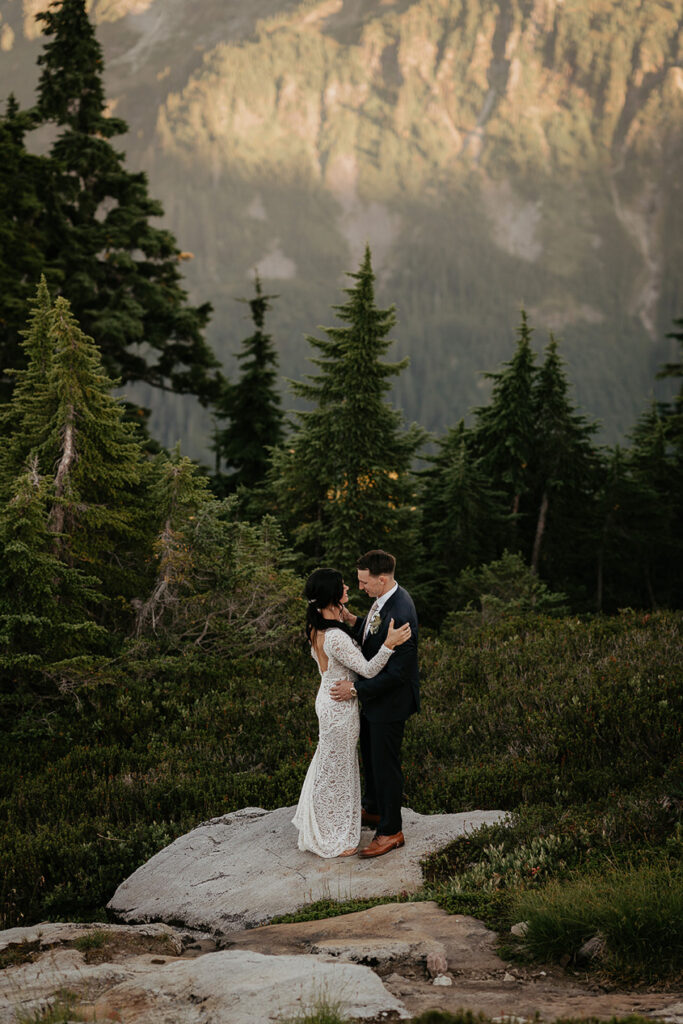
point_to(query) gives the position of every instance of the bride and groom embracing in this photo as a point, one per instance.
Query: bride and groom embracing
(372, 661)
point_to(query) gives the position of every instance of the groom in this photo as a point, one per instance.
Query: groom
(387, 700)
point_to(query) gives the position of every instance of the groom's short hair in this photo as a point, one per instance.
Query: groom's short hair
(377, 563)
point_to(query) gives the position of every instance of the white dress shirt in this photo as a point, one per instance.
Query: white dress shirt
(377, 607)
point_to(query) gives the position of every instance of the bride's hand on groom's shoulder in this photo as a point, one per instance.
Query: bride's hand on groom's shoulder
(397, 636)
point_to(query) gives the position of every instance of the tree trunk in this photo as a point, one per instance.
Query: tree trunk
(63, 471)
(601, 566)
(513, 523)
(650, 588)
(540, 529)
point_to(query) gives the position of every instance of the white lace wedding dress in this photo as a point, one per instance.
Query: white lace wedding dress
(328, 813)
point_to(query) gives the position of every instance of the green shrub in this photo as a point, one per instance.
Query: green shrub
(444, 1017)
(546, 710)
(324, 1011)
(467, 1017)
(638, 912)
(505, 589)
(581, 717)
(60, 1011)
(92, 940)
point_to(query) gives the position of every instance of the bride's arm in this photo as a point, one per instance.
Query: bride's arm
(340, 645)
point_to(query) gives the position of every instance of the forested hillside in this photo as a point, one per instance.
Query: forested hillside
(493, 154)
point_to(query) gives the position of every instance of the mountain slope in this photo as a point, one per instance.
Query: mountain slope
(493, 153)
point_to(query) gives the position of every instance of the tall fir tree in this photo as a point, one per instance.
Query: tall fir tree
(120, 274)
(672, 413)
(251, 405)
(652, 465)
(46, 607)
(624, 508)
(674, 371)
(23, 419)
(24, 181)
(63, 415)
(461, 515)
(505, 433)
(343, 481)
(564, 464)
(222, 585)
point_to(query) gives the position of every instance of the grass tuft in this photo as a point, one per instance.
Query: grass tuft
(324, 1011)
(638, 911)
(60, 1011)
(92, 940)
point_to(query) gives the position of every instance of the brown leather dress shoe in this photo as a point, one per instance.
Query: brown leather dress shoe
(382, 844)
(368, 818)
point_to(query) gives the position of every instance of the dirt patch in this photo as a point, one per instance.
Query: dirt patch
(395, 940)
(112, 947)
(21, 953)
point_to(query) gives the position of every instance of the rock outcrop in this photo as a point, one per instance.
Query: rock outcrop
(230, 987)
(244, 868)
(370, 964)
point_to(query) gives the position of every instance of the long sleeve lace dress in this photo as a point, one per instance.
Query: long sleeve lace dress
(328, 813)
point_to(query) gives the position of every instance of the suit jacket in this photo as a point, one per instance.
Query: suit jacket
(394, 693)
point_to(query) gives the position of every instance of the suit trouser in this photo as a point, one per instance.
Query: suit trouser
(380, 748)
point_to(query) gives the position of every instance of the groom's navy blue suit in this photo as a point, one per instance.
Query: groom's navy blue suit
(387, 701)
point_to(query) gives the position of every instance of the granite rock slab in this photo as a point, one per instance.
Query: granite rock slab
(227, 987)
(243, 869)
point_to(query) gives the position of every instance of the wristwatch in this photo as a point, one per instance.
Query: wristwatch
(353, 691)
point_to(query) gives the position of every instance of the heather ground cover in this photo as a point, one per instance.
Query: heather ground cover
(573, 725)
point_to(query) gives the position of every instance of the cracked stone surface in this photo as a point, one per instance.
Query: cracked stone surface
(245, 868)
(396, 940)
(48, 934)
(231, 987)
(372, 963)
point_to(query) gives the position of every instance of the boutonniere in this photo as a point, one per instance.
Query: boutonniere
(375, 623)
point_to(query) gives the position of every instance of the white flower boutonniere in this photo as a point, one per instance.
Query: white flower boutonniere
(376, 623)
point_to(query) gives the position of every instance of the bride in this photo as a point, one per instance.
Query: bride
(329, 809)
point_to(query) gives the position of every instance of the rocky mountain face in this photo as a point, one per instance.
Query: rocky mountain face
(493, 152)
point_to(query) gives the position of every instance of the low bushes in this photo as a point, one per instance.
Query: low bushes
(564, 713)
(609, 870)
(636, 913)
(546, 710)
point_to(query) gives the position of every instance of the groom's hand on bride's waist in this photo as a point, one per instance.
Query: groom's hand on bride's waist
(343, 690)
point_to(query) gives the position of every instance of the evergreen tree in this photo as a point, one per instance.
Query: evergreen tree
(502, 589)
(563, 462)
(222, 586)
(672, 414)
(120, 274)
(252, 405)
(45, 605)
(23, 420)
(343, 481)
(461, 514)
(62, 414)
(24, 180)
(653, 467)
(624, 516)
(505, 430)
(674, 371)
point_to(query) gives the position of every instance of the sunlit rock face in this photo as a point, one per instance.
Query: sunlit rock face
(493, 155)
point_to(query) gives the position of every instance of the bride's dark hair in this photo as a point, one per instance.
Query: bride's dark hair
(323, 588)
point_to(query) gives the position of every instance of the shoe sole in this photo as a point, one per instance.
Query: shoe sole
(380, 853)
